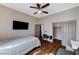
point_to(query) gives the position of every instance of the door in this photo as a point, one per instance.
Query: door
(38, 31)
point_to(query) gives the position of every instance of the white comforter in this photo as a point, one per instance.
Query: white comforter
(18, 46)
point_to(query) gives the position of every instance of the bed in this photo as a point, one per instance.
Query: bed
(18, 46)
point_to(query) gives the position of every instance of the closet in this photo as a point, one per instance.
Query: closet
(65, 31)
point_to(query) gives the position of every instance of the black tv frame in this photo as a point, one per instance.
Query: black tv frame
(19, 25)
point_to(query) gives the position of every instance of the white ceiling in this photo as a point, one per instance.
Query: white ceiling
(52, 8)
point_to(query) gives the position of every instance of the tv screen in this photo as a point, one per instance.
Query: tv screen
(17, 25)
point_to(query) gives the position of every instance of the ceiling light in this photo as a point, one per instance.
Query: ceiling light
(39, 12)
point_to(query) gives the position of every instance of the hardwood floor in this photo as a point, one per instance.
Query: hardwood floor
(46, 48)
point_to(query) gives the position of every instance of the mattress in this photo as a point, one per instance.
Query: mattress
(18, 46)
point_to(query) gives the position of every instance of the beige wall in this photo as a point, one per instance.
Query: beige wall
(7, 16)
(77, 29)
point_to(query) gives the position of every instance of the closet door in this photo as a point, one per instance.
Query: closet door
(69, 32)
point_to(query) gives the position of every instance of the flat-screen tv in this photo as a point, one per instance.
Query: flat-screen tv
(18, 25)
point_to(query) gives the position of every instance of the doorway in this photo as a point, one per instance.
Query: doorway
(38, 31)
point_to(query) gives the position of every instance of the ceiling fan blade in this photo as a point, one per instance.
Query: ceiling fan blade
(45, 5)
(33, 7)
(45, 12)
(38, 5)
(35, 13)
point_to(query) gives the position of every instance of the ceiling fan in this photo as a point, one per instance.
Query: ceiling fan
(39, 7)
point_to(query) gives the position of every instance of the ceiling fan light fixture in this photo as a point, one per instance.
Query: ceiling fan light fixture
(39, 8)
(39, 11)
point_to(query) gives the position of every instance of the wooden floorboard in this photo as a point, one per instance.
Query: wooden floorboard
(46, 48)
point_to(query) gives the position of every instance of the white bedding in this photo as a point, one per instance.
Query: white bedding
(18, 46)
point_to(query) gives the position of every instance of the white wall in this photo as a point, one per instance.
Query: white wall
(7, 16)
(59, 17)
(68, 15)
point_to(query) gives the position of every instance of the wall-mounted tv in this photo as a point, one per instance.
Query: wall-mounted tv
(18, 25)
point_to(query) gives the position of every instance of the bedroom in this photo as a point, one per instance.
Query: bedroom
(9, 12)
